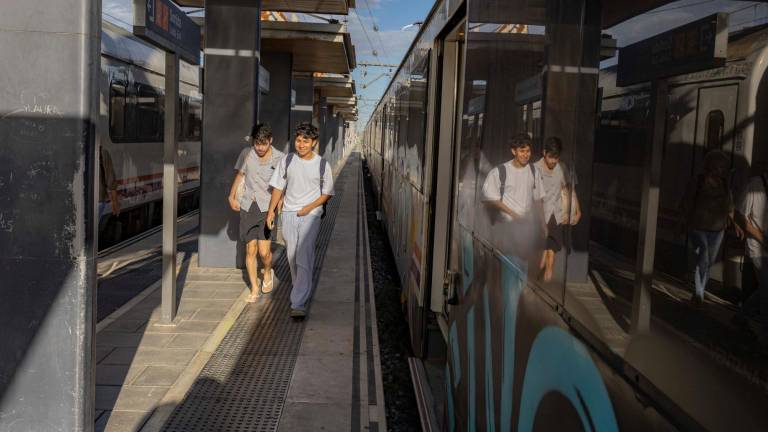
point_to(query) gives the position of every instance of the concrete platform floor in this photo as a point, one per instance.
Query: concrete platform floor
(145, 370)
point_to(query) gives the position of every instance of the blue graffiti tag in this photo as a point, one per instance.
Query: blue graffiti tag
(559, 363)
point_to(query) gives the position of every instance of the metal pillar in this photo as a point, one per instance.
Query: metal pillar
(230, 100)
(649, 212)
(49, 108)
(170, 187)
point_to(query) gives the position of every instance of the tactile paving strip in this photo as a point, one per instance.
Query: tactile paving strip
(244, 384)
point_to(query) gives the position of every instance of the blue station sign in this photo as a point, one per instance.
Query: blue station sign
(163, 23)
(696, 46)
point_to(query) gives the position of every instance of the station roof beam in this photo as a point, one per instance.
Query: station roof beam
(333, 86)
(335, 7)
(316, 47)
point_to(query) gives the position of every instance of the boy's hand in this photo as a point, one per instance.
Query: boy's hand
(234, 205)
(304, 211)
(271, 219)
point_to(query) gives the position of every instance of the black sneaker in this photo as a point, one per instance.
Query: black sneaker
(298, 313)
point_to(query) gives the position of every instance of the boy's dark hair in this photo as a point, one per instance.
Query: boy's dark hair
(553, 146)
(520, 140)
(261, 132)
(307, 130)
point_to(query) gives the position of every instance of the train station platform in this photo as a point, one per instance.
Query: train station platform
(228, 365)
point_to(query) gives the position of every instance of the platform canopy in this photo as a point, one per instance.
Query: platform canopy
(616, 12)
(316, 47)
(336, 7)
(335, 86)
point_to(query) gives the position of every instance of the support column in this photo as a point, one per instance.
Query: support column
(170, 188)
(649, 212)
(305, 97)
(276, 105)
(230, 103)
(49, 107)
(570, 99)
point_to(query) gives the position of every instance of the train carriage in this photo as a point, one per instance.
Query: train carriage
(499, 347)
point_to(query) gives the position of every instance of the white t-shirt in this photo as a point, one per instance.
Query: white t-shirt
(554, 182)
(753, 207)
(519, 191)
(302, 183)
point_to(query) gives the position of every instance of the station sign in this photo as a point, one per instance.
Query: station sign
(696, 46)
(163, 23)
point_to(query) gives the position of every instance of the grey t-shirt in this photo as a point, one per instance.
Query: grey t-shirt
(257, 172)
(302, 183)
(554, 182)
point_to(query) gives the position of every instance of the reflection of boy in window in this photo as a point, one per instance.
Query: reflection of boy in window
(754, 211)
(708, 208)
(514, 188)
(561, 206)
(108, 198)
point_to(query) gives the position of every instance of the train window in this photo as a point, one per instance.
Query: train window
(417, 114)
(149, 114)
(715, 128)
(117, 111)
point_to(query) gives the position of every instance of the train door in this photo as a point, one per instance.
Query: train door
(442, 201)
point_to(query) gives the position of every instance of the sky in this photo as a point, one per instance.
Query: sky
(376, 28)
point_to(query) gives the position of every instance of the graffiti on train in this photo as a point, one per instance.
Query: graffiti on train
(537, 362)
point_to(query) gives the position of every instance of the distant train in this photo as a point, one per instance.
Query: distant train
(495, 346)
(131, 130)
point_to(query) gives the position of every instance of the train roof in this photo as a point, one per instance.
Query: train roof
(124, 46)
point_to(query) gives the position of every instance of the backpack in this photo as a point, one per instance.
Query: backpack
(323, 163)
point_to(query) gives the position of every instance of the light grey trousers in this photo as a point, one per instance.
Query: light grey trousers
(300, 234)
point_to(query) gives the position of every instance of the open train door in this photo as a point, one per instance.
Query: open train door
(442, 208)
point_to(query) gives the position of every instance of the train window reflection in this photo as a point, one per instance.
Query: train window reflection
(715, 127)
(117, 111)
(149, 114)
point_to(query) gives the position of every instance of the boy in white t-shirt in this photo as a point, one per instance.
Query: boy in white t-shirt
(304, 180)
(514, 191)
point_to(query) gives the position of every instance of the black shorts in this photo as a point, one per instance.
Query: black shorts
(253, 225)
(555, 235)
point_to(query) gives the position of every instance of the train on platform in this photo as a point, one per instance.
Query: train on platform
(496, 346)
(130, 132)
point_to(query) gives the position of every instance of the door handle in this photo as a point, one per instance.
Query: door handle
(450, 282)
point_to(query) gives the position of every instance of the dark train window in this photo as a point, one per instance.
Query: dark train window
(149, 114)
(118, 112)
(193, 119)
(715, 127)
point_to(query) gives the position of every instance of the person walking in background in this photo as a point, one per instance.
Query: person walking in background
(561, 206)
(250, 195)
(753, 210)
(708, 208)
(304, 181)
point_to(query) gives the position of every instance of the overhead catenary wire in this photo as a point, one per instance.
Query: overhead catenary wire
(376, 29)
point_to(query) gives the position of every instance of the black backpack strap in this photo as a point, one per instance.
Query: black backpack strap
(322, 173)
(288, 159)
(533, 172)
(502, 180)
